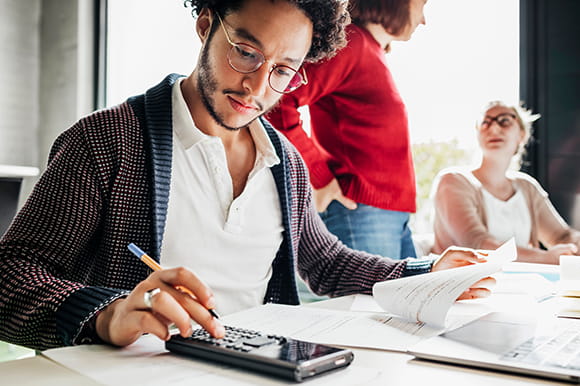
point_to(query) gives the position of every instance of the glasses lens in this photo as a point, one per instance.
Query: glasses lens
(285, 79)
(244, 58)
(505, 120)
(484, 124)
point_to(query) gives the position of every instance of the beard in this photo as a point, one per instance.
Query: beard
(207, 86)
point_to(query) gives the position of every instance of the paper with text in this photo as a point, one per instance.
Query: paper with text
(343, 328)
(427, 298)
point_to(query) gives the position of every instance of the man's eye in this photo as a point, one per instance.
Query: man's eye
(244, 53)
(284, 72)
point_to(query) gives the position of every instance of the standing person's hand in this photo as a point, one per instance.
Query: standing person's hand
(125, 320)
(455, 257)
(324, 196)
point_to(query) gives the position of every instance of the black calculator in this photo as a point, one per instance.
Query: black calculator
(271, 354)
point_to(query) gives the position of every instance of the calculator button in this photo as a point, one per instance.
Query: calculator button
(259, 341)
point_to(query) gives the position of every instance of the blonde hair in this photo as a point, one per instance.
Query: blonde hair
(524, 117)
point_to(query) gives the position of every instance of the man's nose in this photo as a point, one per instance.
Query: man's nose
(257, 83)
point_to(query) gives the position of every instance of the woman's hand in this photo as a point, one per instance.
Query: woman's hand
(125, 320)
(455, 257)
(554, 252)
(324, 196)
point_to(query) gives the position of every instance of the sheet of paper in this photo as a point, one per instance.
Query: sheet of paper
(427, 298)
(343, 328)
(532, 284)
(146, 362)
(459, 314)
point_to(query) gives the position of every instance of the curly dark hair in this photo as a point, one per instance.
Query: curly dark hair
(329, 18)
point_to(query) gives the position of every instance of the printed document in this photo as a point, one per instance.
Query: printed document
(427, 298)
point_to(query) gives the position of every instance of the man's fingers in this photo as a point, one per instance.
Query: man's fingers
(486, 282)
(475, 293)
(151, 324)
(167, 309)
(194, 310)
(187, 281)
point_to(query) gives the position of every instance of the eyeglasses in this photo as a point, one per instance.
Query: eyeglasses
(504, 121)
(246, 59)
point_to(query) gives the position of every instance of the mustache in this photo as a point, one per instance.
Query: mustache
(242, 95)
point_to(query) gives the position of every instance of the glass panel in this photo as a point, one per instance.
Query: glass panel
(147, 40)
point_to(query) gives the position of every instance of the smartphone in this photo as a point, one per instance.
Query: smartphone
(270, 354)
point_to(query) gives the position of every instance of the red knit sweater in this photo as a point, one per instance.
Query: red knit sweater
(359, 126)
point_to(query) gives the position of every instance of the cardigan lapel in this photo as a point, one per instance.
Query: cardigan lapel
(159, 132)
(282, 286)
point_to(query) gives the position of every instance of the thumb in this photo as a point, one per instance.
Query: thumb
(347, 202)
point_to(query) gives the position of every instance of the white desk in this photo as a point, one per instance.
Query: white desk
(395, 369)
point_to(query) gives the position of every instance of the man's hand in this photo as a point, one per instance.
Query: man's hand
(324, 196)
(454, 257)
(125, 320)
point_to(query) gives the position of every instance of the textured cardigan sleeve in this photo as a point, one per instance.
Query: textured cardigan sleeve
(57, 258)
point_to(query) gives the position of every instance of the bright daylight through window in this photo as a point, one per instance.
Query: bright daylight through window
(466, 55)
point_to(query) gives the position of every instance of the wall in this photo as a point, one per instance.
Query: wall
(19, 77)
(65, 72)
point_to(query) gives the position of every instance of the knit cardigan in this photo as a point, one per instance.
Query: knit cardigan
(460, 217)
(106, 185)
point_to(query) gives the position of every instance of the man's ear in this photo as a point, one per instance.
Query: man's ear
(203, 24)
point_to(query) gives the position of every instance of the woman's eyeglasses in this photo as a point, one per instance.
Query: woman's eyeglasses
(504, 121)
(246, 59)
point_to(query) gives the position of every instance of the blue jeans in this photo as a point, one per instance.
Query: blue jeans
(378, 231)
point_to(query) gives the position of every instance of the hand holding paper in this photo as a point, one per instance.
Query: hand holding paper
(428, 297)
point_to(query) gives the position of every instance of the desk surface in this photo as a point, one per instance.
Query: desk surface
(394, 369)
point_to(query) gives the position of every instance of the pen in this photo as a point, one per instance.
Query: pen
(156, 267)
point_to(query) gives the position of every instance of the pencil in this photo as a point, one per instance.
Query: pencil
(156, 267)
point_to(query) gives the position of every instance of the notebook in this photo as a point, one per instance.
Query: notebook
(511, 343)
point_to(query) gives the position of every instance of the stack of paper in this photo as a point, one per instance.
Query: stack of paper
(569, 299)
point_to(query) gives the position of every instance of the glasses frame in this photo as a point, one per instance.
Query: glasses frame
(300, 71)
(484, 126)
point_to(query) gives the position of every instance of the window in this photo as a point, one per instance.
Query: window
(466, 55)
(147, 40)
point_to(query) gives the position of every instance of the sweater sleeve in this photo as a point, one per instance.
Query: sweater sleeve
(458, 218)
(552, 229)
(323, 79)
(42, 301)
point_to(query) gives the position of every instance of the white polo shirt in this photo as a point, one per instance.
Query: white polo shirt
(229, 244)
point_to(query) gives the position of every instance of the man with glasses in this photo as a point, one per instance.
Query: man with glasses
(191, 173)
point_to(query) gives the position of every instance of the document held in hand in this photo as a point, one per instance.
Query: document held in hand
(427, 298)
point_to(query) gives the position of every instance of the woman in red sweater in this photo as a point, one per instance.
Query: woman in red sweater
(359, 153)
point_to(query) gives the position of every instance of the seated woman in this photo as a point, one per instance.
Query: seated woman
(483, 207)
